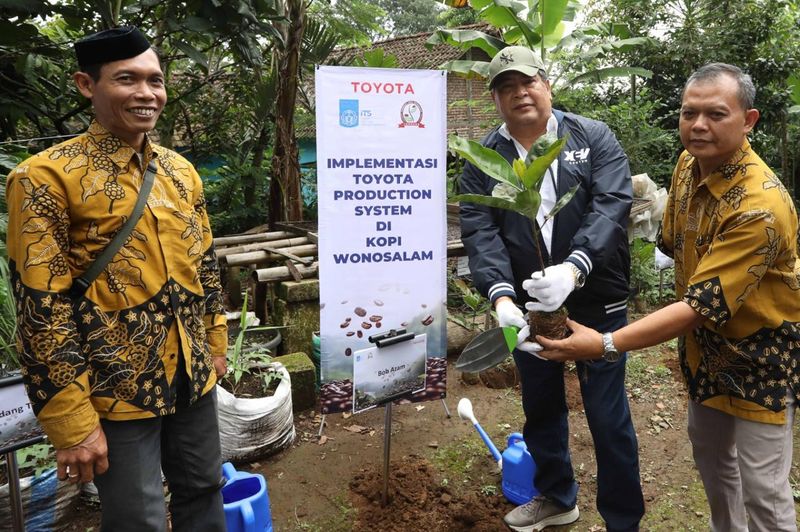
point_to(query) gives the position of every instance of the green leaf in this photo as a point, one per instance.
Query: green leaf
(519, 167)
(466, 39)
(795, 109)
(621, 45)
(596, 76)
(537, 169)
(528, 202)
(193, 53)
(485, 159)
(487, 201)
(553, 14)
(468, 69)
(12, 34)
(563, 200)
(794, 86)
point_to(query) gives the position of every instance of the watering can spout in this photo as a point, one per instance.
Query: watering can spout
(465, 412)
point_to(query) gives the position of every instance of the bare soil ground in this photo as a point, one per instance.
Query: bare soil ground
(442, 477)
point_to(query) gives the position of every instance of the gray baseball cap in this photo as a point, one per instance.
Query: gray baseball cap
(516, 58)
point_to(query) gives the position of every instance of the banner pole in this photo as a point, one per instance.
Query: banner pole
(446, 410)
(387, 441)
(12, 472)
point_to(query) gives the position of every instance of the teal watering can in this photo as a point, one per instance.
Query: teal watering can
(246, 501)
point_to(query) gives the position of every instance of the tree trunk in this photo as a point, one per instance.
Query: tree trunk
(285, 202)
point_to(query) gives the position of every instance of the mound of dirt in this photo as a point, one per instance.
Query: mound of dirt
(418, 501)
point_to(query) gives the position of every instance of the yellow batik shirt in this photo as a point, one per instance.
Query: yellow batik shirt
(114, 352)
(733, 236)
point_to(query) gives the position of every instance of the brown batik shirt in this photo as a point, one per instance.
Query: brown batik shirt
(733, 236)
(114, 352)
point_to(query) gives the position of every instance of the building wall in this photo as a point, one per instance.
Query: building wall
(470, 109)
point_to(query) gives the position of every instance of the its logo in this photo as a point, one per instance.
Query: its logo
(576, 156)
(411, 115)
(348, 113)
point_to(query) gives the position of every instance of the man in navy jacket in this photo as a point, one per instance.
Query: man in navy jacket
(586, 250)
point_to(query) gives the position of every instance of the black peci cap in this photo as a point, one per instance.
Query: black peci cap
(110, 45)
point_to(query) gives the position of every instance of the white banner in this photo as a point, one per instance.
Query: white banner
(381, 162)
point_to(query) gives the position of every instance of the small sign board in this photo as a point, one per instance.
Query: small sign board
(18, 425)
(381, 374)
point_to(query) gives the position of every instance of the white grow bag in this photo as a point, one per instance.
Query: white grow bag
(257, 427)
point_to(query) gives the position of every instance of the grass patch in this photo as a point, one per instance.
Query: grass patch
(684, 508)
(467, 464)
(341, 521)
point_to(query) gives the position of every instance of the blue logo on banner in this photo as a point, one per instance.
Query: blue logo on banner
(348, 113)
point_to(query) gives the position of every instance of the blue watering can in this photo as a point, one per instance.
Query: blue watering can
(516, 463)
(246, 501)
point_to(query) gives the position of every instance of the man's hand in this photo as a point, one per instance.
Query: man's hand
(80, 463)
(220, 366)
(550, 288)
(583, 344)
(509, 315)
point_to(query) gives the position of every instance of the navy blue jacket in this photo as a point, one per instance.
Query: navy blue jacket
(590, 231)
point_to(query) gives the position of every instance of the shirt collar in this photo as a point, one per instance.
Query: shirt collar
(729, 174)
(552, 127)
(117, 150)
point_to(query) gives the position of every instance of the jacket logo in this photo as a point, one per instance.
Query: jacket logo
(576, 156)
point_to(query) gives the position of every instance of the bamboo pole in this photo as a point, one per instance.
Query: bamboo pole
(260, 246)
(281, 273)
(265, 256)
(233, 240)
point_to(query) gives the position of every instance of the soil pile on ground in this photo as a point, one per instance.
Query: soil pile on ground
(418, 501)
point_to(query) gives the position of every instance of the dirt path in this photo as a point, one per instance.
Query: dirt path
(442, 477)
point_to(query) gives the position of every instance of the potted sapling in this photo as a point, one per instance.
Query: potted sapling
(517, 190)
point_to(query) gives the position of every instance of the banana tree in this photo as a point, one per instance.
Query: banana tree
(540, 24)
(517, 190)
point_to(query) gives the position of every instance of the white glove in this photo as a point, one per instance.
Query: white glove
(550, 289)
(509, 315)
(663, 261)
(529, 347)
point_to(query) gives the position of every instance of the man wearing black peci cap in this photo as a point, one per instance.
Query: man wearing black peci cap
(120, 365)
(587, 248)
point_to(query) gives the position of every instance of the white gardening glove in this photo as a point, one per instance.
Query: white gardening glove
(663, 261)
(509, 315)
(550, 289)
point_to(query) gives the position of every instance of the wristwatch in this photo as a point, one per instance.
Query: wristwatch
(578, 276)
(610, 353)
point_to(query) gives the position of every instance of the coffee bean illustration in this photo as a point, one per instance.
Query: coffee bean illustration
(350, 333)
(359, 334)
(344, 302)
(366, 325)
(378, 302)
(344, 324)
(375, 318)
(427, 321)
(360, 312)
(378, 324)
(348, 352)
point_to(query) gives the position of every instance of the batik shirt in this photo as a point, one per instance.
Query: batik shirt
(114, 352)
(733, 236)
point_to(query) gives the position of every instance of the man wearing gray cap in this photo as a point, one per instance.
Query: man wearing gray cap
(121, 329)
(586, 250)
